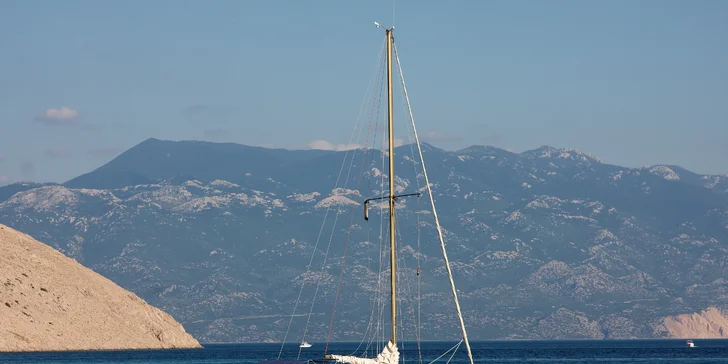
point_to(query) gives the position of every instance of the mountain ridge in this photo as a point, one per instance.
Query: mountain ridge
(544, 151)
(129, 176)
(540, 241)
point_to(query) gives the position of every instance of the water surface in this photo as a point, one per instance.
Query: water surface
(553, 352)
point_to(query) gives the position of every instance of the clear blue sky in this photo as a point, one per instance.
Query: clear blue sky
(633, 82)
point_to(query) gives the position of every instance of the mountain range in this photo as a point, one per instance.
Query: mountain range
(545, 244)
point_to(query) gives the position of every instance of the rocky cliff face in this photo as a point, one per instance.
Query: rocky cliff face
(708, 324)
(50, 302)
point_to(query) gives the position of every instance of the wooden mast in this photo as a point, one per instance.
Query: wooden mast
(392, 230)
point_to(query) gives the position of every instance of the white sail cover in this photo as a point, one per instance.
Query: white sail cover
(390, 355)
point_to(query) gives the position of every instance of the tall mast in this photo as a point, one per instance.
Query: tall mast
(392, 231)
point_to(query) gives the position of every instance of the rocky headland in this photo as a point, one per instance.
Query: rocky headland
(49, 302)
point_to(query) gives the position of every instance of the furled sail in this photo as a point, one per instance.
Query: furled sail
(390, 355)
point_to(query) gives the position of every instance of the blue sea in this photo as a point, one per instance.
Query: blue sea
(553, 352)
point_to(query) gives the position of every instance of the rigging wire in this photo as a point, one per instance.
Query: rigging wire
(326, 214)
(419, 291)
(351, 219)
(453, 352)
(331, 238)
(419, 252)
(375, 335)
(394, 5)
(455, 347)
(401, 274)
(402, 259)
(383, 249)
(406, 283)
(374, 303)
(434, 213)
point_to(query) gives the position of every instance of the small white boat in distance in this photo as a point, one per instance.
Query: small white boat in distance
(689, 343)
(304, 344)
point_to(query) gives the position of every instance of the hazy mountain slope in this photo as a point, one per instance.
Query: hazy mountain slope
(549, 243)
(154, 160)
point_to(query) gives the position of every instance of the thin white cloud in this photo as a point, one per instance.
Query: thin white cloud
(2, 157)
(433, 136)
(63, 116)
(4, 179)
(64, 113)
(398, 142)
(327, 145)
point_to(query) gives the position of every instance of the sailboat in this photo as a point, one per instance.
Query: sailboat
(390, 353)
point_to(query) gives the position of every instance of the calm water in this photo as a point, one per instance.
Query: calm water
(553, 352)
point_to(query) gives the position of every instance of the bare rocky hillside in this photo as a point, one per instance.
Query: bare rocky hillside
(707, 324)
(50, 302)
